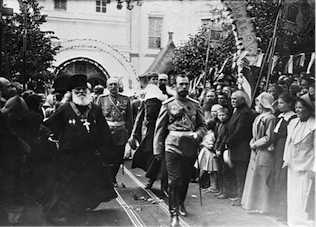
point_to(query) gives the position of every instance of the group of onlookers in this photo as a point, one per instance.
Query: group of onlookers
(263, 158)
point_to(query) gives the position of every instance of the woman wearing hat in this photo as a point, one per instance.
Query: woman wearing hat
(299, 158)
(257, 194)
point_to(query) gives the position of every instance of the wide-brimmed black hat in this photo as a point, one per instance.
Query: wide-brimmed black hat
(188, 146)
(77, 80)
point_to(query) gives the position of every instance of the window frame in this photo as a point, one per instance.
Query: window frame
(154, 36)
(58, 5)
(100, 6)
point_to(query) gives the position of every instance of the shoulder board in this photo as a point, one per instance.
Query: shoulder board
(123, 95)
(193, 100)
(103, 95)
(168, 100)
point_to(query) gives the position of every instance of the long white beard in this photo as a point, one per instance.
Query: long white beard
(82, 100)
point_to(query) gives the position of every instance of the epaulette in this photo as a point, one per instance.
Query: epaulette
(193, 100)
(168, 100)
(123, 95)
(103, 95)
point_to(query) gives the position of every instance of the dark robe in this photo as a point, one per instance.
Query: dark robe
(82, 178)
(149, 111)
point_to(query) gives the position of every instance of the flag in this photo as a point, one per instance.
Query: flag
(311, 62)
(274, 62)
(302, 59)
(290, 65)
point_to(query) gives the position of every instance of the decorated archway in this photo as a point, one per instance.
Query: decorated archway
(96, 59)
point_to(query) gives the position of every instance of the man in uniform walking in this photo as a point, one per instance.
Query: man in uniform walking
(116, 109)
(179, 128)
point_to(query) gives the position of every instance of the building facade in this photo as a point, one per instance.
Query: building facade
(102, 41)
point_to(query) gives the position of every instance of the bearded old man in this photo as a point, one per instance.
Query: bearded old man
(85, 150)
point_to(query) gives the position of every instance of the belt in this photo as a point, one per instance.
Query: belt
(180, 133)
(115, 123)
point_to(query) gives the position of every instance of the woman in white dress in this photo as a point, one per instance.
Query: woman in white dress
(299, 158)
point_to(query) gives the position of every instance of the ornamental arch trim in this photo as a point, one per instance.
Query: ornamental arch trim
(105, 57)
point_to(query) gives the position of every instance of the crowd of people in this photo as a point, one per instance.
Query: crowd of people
(64, 151)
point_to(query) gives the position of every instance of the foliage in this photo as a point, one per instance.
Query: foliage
(190, 57)
(263, 14)
(40, 51)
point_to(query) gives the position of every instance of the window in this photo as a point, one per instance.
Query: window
(61, 4)
(155, 27)
(100, 6)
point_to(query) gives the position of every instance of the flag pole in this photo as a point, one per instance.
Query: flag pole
(274, 40)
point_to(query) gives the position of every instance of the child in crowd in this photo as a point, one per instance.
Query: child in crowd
(219, 147)
(207, 161)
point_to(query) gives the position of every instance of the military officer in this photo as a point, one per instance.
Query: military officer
(179, 128)
(117, 111)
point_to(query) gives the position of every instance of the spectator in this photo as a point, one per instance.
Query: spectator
(284, 85)
(207, 161)
(311, 90)
(299, 158)
(279, 174)
(12, 150)
(219, 89)
(238, 137)
(50, 105)
(7, 90)
(97, 91)
(256, 197)
(306, 81)
(228, 91)
(31, 127)
(275, 90)
(294, 91)
(209, 100)
(224, 101)
(225, 174)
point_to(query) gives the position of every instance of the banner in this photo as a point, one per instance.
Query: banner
(245, 29)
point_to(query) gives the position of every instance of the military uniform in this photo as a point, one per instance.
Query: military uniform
(176, 120)
(118, 114)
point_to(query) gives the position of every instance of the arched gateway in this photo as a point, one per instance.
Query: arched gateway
(96, 59)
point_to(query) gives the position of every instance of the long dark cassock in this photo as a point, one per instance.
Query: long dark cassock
(82, 179)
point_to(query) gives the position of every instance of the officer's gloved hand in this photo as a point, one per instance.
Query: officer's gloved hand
(194, 135)
(158, 157)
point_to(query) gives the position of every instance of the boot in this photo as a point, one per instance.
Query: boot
(149, 184)
(174, 206)
(182, 210)
(164, 190)
(174, 221)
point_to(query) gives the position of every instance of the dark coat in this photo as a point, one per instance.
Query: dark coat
(81, 176)
(240, 133)
(12, 150)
